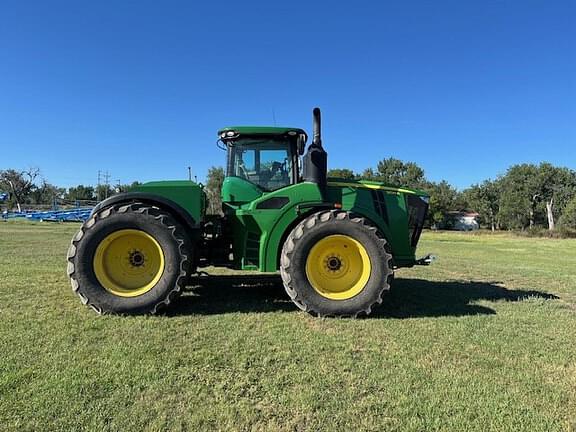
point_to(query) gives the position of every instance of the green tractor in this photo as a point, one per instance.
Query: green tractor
(335, 242)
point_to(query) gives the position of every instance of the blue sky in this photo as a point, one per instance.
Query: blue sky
(139, 88)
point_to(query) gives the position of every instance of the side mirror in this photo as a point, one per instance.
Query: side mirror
(301, 142)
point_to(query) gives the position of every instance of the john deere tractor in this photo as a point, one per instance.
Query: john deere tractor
(336, 243)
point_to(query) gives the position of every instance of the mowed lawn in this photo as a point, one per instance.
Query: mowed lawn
(484, 339)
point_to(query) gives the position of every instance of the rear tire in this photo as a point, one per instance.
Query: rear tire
(336, 264)
(130, 258)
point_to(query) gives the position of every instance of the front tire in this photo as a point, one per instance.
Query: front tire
(129, 259)
(336, 264)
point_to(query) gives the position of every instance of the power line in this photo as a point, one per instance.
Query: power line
(103, 184)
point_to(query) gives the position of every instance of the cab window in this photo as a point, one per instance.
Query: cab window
(267, 164)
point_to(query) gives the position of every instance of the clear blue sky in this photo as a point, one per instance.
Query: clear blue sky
(139, 88)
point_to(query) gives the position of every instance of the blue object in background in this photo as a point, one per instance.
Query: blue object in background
(73, 215)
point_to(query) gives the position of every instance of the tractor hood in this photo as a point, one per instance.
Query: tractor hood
(333, 181)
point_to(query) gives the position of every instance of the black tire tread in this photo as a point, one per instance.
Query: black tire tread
(186, 262)
(299, 231)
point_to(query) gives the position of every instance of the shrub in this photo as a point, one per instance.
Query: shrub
(540, 232)
(568, 219)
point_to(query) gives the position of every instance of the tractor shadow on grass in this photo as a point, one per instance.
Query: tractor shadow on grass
(213, 295)
(412, 298)
(409, 298)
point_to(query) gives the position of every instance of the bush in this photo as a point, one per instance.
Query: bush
(562, 232)
(568, 219)
(566, 232)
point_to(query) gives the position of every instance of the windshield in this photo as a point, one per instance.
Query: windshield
(264, 162)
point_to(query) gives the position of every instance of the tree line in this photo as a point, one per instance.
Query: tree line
(526, 196)
(21, 188)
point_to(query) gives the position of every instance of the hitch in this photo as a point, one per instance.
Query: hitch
(427, 260)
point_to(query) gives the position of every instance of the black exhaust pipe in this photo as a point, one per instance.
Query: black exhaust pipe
(317, 127)
(316, 159)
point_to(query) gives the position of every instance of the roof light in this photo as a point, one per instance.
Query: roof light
(230, 133)
(292, 133)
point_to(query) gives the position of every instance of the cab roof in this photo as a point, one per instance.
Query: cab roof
(260, 130)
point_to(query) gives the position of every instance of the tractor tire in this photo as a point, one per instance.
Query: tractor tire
(130, 258)
(336, 264)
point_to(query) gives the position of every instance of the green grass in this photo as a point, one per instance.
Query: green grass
(485, 339)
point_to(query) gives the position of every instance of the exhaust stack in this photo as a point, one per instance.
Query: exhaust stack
(317, 127)
(315, 164)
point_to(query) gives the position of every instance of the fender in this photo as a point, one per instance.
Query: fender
(272, 248)
(176, 209)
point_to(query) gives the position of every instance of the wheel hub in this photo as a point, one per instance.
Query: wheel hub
(334, 263)
(136, 258)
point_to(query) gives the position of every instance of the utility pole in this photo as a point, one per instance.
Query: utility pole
(107, 183)
(118, 186)
(98, 187)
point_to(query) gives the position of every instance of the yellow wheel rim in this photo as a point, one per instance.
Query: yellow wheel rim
(128, 262)
(338, 267)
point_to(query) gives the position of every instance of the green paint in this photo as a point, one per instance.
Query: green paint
(266, 229)
(237, 191)
(187, 194)
(258, 234)
(368, 184)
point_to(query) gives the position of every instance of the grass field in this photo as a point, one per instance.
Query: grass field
(485, 339)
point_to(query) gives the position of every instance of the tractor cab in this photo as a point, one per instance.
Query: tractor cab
(260, 160)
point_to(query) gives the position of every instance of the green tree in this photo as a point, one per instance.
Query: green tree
(368, 174)
(104, 191)
(568, 218)
(484, 198)
(520, 196)
(81, 192)
(396, 172)
(443, 199)
(213, 189)
(535, 195)
(46, 193)
(122, 188)
(557, 185)
(19, 184)
(343, 173)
